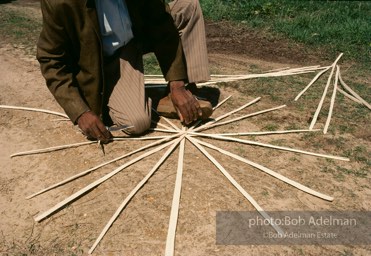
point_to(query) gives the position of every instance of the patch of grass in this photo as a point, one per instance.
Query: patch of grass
(359, 154)
(345, 129)
(19, 28)
(265, 193)
(279, 142)
(292, 126)
(337, 26)
(361, 173)
(270, 127)
(339, 176)
(151, 65)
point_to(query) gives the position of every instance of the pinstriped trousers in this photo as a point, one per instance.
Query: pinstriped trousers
(128, 104)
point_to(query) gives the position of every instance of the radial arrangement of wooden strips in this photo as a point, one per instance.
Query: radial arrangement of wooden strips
(176, 137)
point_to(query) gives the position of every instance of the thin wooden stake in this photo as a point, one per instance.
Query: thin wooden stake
(270, 172)
(289, 72)
(314, 119)
(277, 69)
(167, 120)
(96, 183)
(227, 114)
(349, 96)
(171, 123)
(249, 142)
(50, 149)
(139, 138)
(170, 240)
(332, 103)
(34, 110)
(101, 165)
(264, 133)
(222, 102)
(162, 125)
(133, 192)
(241, 117)
(61, 120)
(163, 130)
(236, 185)
(353, 92)
(311, 83)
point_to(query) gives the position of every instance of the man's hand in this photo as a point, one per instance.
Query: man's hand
(93, 127)
(185, 103)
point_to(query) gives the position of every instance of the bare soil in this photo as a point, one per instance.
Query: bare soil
(141, 228)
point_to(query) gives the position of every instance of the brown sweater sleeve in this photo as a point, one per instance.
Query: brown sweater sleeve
(57, 65)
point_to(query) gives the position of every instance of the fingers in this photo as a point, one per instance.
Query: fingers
(93, 127)
(186, 104)
(187, 107)
(100, 133)
(193, 108)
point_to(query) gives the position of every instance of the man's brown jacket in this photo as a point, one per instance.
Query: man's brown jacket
(70, 53)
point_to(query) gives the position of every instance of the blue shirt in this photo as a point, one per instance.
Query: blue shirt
(115, 24)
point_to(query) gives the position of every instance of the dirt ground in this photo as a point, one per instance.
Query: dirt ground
(141, 228)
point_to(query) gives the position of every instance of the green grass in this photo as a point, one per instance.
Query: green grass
(151, 66)
(335, 26)
(19, 28)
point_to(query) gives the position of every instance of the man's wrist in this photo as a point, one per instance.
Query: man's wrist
(77, 119)
(176, 85)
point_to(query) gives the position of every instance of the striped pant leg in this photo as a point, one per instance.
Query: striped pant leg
(128, 104)
(188, 18)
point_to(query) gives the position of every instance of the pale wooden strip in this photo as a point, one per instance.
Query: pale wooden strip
(253, 76)
(294, 69)
(156, 83)
(315, 116)
(249, 142)
(162, 130)
(34, 110)
(270, 172)
(288, 72)
(221, 75)
(162, 125)
(239, 75)
(231, 78)
(139, 138)
(236, 184)
(353, 92)
(241, 117)
(311, 83)
(153, 75)
(314, 67)
(332, 102)
(227, 114)
(265, 133)
(96, 183)
(74, 145)
(133, 192)
(170, 123)
(50, 149)
(222, 102)
(170, 240)
(349, 96)
(276, 70)
(194, 126)
(101, 165)
(151, 85)
(61, 120)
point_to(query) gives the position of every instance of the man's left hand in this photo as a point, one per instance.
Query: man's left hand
(184, 102)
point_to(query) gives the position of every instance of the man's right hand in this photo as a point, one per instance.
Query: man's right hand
(93, 127)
